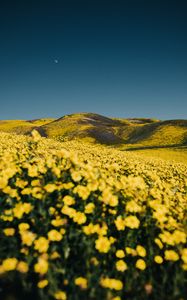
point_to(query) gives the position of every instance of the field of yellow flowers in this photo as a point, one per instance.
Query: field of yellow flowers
(90, 222)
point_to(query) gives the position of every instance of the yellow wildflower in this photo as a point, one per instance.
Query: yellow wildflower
(121, 265)
(57, 222)
(60, 295)
(27, 237)
(22, 267)
(141, 251)
(120, 223)
(42, 283)
(131, 251)
(54, 255)
(9, 231)
(81, 282)
(158, 259)
(50, 187)
(79, 218)
(102, 244)
(54, 235)
(120, 254)
(111, 283)
(9, 264)
(132, 222)
(23, 226)
(140, 264)
(89, 208)
(159, 243)
(171, 255)
(68, 200)
(184, 255)
(41, 244)
(41, 266)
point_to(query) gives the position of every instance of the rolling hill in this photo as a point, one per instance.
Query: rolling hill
(134, 133)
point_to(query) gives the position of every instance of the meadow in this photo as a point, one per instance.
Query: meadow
(86, 221)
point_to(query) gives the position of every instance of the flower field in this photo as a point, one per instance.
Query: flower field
(80, 221)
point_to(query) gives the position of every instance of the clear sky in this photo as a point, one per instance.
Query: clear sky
(122, 58)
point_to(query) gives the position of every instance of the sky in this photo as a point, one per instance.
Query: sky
(119, 58)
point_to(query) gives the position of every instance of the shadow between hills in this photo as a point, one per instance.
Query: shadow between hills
(177, 146)
(41, 131)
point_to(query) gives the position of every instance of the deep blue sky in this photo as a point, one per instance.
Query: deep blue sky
(123, 58)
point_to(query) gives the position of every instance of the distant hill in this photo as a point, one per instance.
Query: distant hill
(136, 132)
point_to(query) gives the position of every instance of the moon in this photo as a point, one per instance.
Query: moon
(56, 61)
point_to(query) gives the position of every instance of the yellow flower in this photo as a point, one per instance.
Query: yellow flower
(120, 254)
(120, 223)
(76, 176)
(69, 211)
(82, 191)
(171, 255)
(23, 226)
(54, 235)
(141, 251)
(35, 182)
(179, 237)
(132, 206)
(89, 208)
(9, 231)
(24, 251)
(140, 264)
(184, 255)
(22, 267)
(132, 222)
(62, 231)
(158, 259)
(54, 255)
(60, 295)
(27, 237)
(159, 243)
(81, 282)
(42, 283)
(121, 265)
(9, 264)
(3, 183)
(68, 200)
(41, 266)
(50, 187)
(22, 208)
(102, 244)
(57, 222)
(94, 261)
(113, 201)
(131, 251)
(184, 266)
(79, 218)
(111, 283)
(109, 199)
(52, 210)
(41, 244)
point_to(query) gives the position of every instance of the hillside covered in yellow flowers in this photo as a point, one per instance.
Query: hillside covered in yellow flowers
(80, 219)
(129, 133)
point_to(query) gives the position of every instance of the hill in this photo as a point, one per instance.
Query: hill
(22, 126)
(134, 133)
